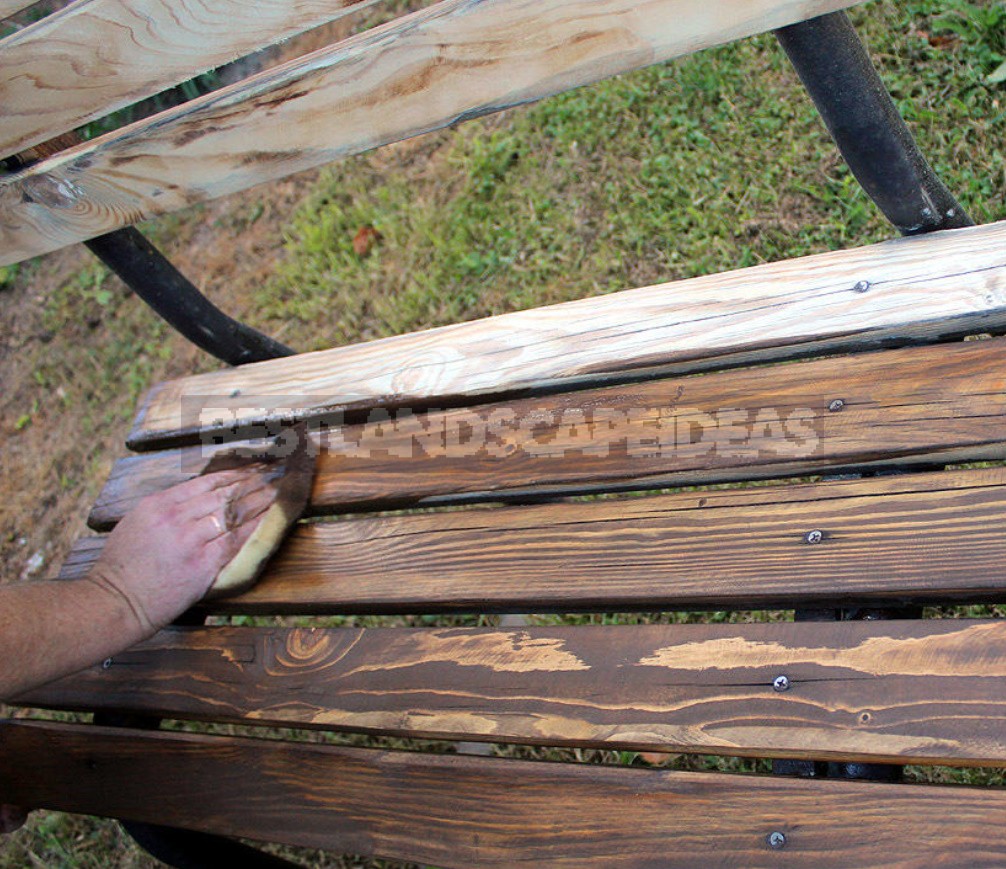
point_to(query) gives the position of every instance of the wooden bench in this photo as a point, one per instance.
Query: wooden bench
(510, 422)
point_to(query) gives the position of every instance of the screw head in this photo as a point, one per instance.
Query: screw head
(780, 683)
(106, 663)
(861, 286)
(776, 840)
(815, 536)
(836, 405)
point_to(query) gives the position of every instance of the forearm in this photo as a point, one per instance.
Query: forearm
(53, 629)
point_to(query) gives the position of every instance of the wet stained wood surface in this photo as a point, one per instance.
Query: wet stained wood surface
(909, 692)
(926, 537)
(94, 57)
(913, 289)
(454, 60)
(921, 404)
(456, 811)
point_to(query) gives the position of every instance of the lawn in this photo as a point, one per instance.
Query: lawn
(709, 163)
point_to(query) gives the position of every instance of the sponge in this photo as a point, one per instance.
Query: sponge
(290, 461)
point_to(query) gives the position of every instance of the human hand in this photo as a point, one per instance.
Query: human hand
(11, 818)
(164, 555)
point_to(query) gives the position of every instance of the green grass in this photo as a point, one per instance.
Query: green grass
(714, 162)
(710, 163)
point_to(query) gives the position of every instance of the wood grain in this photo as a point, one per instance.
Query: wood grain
(904, 692)
(935, 537)
(923, 404)
(455, 60)
(916, 289)
(455, 811)
(94, 57)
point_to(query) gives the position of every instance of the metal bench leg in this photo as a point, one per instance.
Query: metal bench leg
(149, 274)
(835, 68)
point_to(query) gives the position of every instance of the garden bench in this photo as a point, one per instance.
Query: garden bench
(451, 478)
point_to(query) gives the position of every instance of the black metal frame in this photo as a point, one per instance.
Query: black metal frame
(872, 137)
(834, 66)
(149, 274)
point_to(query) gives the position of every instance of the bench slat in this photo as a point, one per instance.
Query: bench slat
(905, 692)
(457, 59)
(882, 542)
(908, 290)
(11, 7)
(456, 811)
(96, 56)
(907, 406)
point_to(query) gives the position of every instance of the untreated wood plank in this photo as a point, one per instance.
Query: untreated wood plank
(912, 289)
(455, 811)
(456, 60)
(916, 405)
(11, 7)
(94, 57)
(904, 692)
(935, 540)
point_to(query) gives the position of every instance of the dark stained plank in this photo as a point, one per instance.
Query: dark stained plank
(926, 537)
(909, 290)
(921, 404)
(906, 692)
(456, 811)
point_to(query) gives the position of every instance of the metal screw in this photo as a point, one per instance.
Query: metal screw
(780, 683)
(235, 393)
(106, 663)
(836, 405)
(776, 840)
(814, 536)
(861, 286)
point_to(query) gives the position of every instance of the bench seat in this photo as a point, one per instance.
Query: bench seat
(639, 502)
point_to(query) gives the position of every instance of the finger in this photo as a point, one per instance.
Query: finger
(250, 505)
(236, 512)
(214, 501)
(206, 483)
(223, 548)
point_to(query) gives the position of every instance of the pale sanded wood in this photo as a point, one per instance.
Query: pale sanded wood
(456, 811)
(938, 539)
(457, 59)
(10, 7)
(907, 692)
(96, 56)
(922, 404)
(908, 289)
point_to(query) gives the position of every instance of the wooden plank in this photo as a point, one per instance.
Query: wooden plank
(899, 692)
(882, 542)
(457, 59)
(925, 404)
(916, 289)
(94, 57)
(456, 811)
(12, 7)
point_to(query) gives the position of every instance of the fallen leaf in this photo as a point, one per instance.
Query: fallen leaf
(365, 239)
(945, 41)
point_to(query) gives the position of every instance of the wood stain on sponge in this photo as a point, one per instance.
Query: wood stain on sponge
(289, 460)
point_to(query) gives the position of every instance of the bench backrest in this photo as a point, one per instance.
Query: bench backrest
(453, 60)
